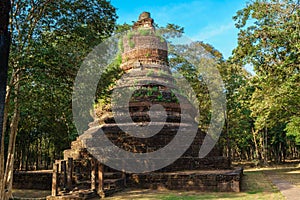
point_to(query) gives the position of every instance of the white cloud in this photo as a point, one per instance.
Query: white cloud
(212, 31)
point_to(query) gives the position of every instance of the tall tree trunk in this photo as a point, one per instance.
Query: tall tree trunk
(228, 145)
(5, 6)
(254, 133)
(4, 53)
(2, 164)
(37, 155)
(12, 141)
(262, 148)
(266, 146)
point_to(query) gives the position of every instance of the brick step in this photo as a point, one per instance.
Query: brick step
(84, 182)
(88, 194)
(115, 184)
(145, 118)
(108, 184)
(112, 175)
(76, 195)
(110, 192)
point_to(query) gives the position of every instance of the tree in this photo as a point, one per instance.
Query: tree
(269, 41)
(83, 22)
(4, 54)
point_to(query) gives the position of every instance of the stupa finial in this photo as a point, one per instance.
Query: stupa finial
(144, 21)
(144, 15)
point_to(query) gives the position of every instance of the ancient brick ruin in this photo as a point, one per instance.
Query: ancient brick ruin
(145, 62)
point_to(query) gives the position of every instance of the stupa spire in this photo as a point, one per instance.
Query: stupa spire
(145, 21)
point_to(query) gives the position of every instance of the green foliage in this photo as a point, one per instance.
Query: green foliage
(170, 31)
(50, 40)
(158, 34)
(149, 92)
(144, 32)
(121, 46)
(153, 94)
(181, 66)
(162, 73)
(159, 97)
(150, 72)
(109, 79)
(293, 128)
(122, 28)
(269, 41)
(131, 44)
(130, 35)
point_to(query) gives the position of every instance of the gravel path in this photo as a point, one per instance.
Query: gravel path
(290, 191)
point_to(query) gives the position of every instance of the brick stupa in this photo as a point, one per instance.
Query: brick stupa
(145, 62)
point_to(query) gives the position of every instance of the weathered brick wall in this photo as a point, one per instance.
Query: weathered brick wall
(145, 53)
(188, 161)
(200, 181)
(145, 49)
(143, 56)
(144, 42)
(32, 180)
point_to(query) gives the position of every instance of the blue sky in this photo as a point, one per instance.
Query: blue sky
(204, 20)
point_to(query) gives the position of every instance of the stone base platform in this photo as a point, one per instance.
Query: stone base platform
(80, 195)
(200, 180)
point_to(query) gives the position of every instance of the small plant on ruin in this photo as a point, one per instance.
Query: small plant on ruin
(150, 72)
(149, 92)
(144, 32)
(160, 97)
(155, 88)
(121, 46)
(130, 35)
(131, 44)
